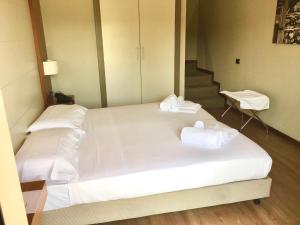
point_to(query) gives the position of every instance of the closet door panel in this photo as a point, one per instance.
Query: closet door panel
(157, 33)
(120, 30)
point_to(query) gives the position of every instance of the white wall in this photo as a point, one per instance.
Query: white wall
(244, 29)
(19, 80)
(71, 40)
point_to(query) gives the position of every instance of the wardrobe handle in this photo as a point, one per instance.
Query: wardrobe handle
(138, 53)
(143, 53)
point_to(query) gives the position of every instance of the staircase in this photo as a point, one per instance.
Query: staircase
(201, 88)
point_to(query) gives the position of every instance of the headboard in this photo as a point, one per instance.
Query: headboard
(22, 107)
(21, 93)
(19, 77)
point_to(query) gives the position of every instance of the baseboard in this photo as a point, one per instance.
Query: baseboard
(284, 135)
(270, 128)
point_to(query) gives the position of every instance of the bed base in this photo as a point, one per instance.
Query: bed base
(102, 212)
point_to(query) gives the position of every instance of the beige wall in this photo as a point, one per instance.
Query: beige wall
(244, 29)
(11, 200)
(192, 26)
(19, 79)
(71, 40)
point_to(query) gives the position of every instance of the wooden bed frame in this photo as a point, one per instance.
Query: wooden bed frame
(102, 212)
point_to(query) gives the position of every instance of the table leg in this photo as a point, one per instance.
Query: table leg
(226, 111)
(245, 124)
(260, 120)
(242, 117)
(254, 115)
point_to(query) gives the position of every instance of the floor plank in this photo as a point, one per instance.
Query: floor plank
(282, 208)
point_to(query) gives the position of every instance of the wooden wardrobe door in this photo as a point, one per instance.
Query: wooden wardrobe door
(157, 32)
(121, 44)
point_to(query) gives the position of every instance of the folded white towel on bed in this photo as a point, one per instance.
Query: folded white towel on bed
(177, 104)
(166, 104)
(211, 138)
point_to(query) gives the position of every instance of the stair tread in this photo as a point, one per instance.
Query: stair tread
(200, 87)
(203, 86)
(198, 75)
(213, 97)
(217, 96)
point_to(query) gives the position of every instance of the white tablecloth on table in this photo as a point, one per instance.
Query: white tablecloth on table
(248, 99)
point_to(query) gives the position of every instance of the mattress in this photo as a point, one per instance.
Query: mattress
(135, 151)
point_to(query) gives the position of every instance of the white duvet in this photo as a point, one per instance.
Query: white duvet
(136, 151)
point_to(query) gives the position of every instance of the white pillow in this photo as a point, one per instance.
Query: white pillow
(60, 116)
(50, 155)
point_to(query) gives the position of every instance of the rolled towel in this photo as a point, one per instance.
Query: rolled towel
(199, 124)
(208, 124)
(210, 138)
(214, 125)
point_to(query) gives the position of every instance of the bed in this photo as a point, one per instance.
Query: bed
(133, 164)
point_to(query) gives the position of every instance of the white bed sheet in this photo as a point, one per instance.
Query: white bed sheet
(136, 151)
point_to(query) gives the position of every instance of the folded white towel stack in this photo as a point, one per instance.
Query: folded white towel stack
(212, 136)
(177, 104)
(166, 104)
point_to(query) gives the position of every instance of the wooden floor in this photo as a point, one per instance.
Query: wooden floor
(282, 208)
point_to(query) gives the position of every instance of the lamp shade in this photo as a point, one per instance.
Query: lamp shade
(50, 67)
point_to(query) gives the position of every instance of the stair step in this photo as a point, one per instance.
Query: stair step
(212, 102)
(191, 66)
(197, 72)
(198, 92)
(191, 81)
(200, 87)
